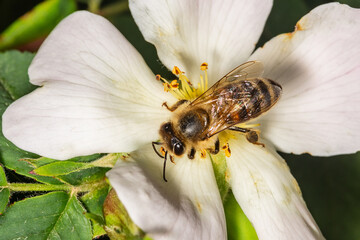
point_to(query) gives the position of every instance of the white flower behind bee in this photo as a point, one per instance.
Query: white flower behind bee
(98, 95)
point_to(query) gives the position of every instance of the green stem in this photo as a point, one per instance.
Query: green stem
(94, 5)
(115, 8)
(38, 187)
(30, 187)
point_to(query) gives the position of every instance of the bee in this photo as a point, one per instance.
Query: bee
(238, 97)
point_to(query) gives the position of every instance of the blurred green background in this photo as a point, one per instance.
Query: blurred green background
(330, 185)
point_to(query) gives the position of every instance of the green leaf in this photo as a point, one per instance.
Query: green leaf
(51, 216)
(42, 161)
(4, 192)
(13, 73)
(61, 168)
(238, 225)
(74, 171)
(84, 176)
(36, 23)
(93, 202)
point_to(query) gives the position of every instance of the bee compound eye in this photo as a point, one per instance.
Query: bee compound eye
(178, 148)
(167, 127)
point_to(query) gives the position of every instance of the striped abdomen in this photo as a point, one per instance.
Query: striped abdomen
(250, 98)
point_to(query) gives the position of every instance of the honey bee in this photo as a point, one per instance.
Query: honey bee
(238, 97)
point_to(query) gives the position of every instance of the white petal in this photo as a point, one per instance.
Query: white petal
(268, 193)
(187, 33)
(188, 206)
(319, 67)
(98, 94)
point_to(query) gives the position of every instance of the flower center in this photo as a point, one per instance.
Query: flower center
(182, 88)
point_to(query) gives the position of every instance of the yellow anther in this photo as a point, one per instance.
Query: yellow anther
(167, 87)
(182, 87)
(174, 84)
(203, 153)
(162, 151)
(176, 70)
(227, 150)
(204, 66)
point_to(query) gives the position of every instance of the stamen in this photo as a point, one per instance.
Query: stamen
(167, 87)
(203, 153)
(227, 150)
(176, 70)
(174, 84)
(182, 88)
(158, 77)
(204, 66)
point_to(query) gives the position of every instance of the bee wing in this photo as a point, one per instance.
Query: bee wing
(245, 71)
(240, 96)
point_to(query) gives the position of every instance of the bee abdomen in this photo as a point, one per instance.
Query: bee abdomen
(263, 94)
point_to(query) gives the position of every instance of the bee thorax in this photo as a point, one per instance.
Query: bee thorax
(193, 123)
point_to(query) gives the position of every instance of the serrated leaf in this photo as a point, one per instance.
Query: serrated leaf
(84, 176)
(93, 202)
(4, 192)
(60, 168)
(38, 162)
(51, 216)
(36, 23)
(238, 225)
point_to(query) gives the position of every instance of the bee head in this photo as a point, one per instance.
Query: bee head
(170, 140)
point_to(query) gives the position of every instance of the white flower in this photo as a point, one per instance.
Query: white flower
(98, 95)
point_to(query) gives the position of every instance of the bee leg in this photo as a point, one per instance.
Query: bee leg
(217, 147)
(165, 158)
(153, 145)
(175, 106)
(251, 135)
(172, 159)
(191, 154)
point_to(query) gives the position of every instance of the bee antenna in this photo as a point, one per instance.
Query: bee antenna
(153, 145)
(165, 158)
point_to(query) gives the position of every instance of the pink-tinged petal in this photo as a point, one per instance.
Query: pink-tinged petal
(98, 95)
(268, 193)
(188, 206)
(187, 33)
(318, 67)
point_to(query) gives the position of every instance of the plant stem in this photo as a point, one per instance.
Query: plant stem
(38, 187)
(115, 8)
